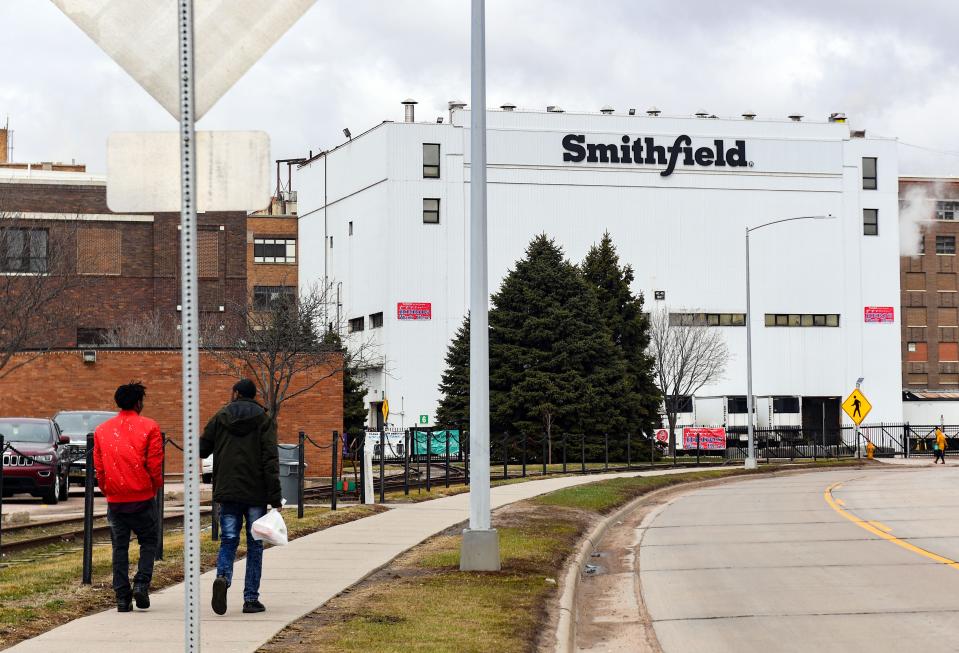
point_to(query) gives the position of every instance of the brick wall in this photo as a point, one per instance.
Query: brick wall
(60, 380)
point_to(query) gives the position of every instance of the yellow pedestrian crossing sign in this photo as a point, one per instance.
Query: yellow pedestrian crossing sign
(857, 406)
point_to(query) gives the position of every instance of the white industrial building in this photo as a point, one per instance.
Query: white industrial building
(384, 220)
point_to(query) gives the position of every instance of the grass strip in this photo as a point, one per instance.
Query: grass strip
(422, 602)
(41, 588)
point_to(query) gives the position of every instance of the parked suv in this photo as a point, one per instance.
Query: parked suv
(76, 424)
(33, 464)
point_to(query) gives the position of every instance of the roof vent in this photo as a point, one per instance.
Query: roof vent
(857, 133)
(632, 112)
(749, 115)
(507, 106)
(454, 105)
(837, 117)
(554, 109)
(409, 105)
(653, 111)
(607, 110)
(439, 120)
(702, 114)
(795, 117)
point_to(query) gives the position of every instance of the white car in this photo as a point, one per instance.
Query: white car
(206, 471)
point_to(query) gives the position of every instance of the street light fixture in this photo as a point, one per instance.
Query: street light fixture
(751, 458)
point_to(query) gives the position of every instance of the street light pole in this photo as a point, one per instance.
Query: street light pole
(751, 457)
(480, 548)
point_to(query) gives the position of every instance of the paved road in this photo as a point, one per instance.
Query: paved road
(785, 564)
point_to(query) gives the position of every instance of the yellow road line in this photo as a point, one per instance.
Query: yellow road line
(880, 526)
(840, 502)
(834, 504)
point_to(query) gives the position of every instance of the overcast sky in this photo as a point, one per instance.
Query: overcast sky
(890, 65)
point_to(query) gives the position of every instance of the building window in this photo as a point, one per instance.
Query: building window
(356, 324)
(802, 319)
(707, 319)
(946, 210)
(682, 403)
(351, 227)
(276, 250)
(376, 320)
(870, 222)
(736, 405)
(785, 404)
(869, 173)
(23, 250)
(431, 160)
(949, 352)
(267, 298)
(917, 352)
(98, 250)
(945, 244)
(91, 337)
(431, 210)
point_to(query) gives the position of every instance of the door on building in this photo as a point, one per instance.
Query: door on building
(376, 415)
(820, 418)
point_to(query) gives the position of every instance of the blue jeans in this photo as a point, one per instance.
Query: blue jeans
(231, 518)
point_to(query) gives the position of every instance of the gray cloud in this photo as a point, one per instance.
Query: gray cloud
(889, 65)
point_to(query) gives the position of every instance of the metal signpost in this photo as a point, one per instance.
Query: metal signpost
(480, 549)
(857, 407)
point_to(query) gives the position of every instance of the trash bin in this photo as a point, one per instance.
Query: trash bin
(289, 471)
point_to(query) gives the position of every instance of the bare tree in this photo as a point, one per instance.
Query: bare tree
(38, 282)
(287, 345)
(686, 356)
(147, 330)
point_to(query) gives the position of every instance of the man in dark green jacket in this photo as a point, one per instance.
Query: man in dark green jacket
(246, 477)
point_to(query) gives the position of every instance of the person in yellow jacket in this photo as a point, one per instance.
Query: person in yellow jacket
(939, 449)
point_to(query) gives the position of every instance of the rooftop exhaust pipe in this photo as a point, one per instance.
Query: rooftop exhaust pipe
(507, 106)
(554, 109)
(795, 117)
(409, 106)
(653, 111)
(702, 114)
(632, 112)
(607, 110)
(837, 117)
(749, 115)
(455, 105)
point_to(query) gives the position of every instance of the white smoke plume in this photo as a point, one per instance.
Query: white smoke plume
(918, 208)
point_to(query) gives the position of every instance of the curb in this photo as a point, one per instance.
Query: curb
(566, 626)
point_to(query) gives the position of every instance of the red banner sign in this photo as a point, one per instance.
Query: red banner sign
(879, 314)
(704, 438)
(414, 311)
(662, 435)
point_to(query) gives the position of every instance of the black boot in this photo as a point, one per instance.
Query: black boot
(253, 606)
(124, 604)
(141, 594)
(219, 595)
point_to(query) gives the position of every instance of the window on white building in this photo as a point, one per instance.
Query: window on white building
(376, 320)
(274, 250)
(431, 160)
(802, 319)
(357, 324)
(431, 210)
(707, 319)
(870, 222)
(869, 173)
(785, 404)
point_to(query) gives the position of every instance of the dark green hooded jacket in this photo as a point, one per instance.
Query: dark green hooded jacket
(242, 439)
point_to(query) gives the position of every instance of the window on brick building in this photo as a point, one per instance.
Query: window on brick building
(265, 298)
(276, 250)
(98, 251)
(918, 379)
(949, 352)
(91, 336)
(948, 317)
(946, 210)
(945, 244)
(209, 254)
(917, 352)
(23, 250)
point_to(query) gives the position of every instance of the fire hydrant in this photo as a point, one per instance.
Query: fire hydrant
(870, 450)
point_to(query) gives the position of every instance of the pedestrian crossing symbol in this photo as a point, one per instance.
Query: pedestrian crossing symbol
(857, 406)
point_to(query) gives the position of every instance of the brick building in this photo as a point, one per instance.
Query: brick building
(72, 384)
(126, 265)
(271, 251)
(929, 282)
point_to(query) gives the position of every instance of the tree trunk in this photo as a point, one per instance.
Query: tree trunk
(671, 417)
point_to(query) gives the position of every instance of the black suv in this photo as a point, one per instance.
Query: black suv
(32, 463)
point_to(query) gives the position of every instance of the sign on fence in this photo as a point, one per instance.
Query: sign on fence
(437, 443)
(707, 438)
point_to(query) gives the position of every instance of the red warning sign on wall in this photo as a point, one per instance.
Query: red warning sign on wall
(879, 314)
(414, 311)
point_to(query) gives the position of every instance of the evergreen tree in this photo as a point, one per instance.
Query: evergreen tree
(553, 365)
(454, 406)
(622, 312)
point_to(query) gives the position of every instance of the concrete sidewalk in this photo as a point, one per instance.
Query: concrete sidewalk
(297, 579)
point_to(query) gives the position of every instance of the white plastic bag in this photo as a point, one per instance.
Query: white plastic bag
(270, 528)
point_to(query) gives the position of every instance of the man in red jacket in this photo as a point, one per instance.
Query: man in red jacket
(128, 457)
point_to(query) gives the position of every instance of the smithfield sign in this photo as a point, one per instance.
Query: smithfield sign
(645, 151)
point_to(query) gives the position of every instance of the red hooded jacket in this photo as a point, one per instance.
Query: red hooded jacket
(128, 457)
